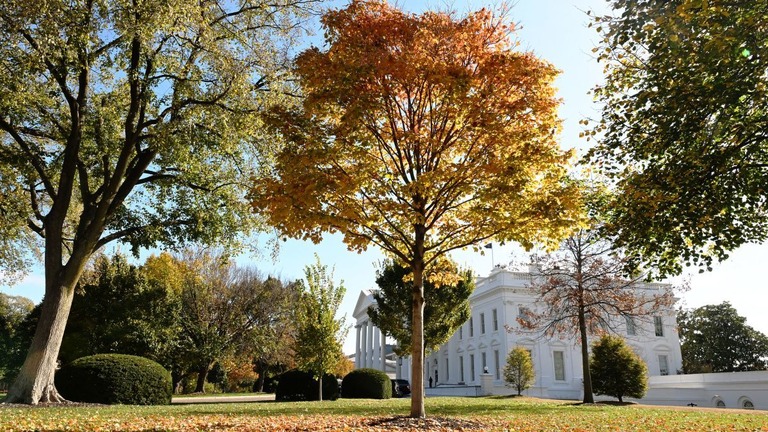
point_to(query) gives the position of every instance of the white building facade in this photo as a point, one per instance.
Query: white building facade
(471, 363)
(481, 344)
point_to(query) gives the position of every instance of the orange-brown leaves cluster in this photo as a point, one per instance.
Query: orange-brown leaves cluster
(427, 121)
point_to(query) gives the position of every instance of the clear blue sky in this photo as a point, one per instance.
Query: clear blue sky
(556, 31)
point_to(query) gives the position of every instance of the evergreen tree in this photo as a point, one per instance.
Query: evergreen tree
(518, 372)
(446, 306)
(616, 370)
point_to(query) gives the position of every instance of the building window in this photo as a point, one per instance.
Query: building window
(559, 365)
(447, 371)
(523, 314)
(461, 369)
(461, 332)
(631, 329)
(482, 323)
(747, 404)
(663, 365)
(658, 326)
(471, 360)
(471, 327)
(495, 316)
(485, 364)
(720, 403)
(496, 363)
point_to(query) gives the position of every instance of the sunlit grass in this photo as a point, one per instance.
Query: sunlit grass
(208, 395)
(523, 414)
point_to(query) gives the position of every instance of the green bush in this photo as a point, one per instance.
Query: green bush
(616, 370)
(366, 384)
(296, 385)
(115, 379)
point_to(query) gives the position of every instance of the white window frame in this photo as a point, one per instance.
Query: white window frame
(472, 367)
(663, 364)
(558, 361)
(658, 326)
(482, 323)
(495, 315)
(631, 327)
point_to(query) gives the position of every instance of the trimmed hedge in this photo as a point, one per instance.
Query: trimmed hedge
(296, 385)
(115, 379)
(366, 384)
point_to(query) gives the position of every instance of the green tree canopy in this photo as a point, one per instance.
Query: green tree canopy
(318, 332)
(617, 370)
(715, 338)
(685, 104)
(14, 310)
(117, 309)
(128, 121)
(446, 307)
(519, 372)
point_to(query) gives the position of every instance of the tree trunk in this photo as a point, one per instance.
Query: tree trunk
(320, 388)
(261, 368)
(588, 396)
(202, 374)
(417, 321)
(34, 383)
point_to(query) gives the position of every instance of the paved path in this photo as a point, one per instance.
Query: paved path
(222, 399)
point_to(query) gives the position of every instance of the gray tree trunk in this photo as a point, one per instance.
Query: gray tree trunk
(34, 383)
(417, 321)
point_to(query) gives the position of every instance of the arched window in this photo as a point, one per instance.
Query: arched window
(746, 403)
(719, 403)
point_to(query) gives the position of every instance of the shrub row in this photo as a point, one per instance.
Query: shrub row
(296, 385)
(115, 379)
(366, 384)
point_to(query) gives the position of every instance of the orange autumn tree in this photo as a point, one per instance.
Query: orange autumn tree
(420, 134)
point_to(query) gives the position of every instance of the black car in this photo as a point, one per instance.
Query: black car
(400, 388)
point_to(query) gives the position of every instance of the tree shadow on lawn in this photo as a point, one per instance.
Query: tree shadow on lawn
(435, 406)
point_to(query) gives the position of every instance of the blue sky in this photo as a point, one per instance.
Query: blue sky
(555, 30)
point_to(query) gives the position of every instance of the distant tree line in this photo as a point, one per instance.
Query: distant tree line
(200, 315)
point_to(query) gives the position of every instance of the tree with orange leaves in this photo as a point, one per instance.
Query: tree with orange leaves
(420, 134)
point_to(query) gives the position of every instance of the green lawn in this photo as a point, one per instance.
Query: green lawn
(492, 413)
(197, 395)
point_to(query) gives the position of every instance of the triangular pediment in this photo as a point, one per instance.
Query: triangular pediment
(364, 300)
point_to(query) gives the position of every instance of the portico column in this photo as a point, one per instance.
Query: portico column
(364, 345)
(358, 351)
(376, 347)
(369, 357)
(383, 350)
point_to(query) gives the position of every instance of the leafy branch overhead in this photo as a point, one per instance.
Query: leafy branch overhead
(682, 132)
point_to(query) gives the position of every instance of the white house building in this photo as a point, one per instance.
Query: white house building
(472, 361)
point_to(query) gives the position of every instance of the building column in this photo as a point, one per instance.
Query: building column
(358, 351)
(383, 340)
(369, 349)
(376, 347)
(364, 345)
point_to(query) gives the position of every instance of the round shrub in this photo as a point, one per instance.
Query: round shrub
(296, 385)
(366, 384)
(115, 379)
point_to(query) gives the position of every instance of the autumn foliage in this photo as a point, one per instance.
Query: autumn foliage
(420, 134)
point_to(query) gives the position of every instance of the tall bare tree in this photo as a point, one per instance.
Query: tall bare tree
(583, 290)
